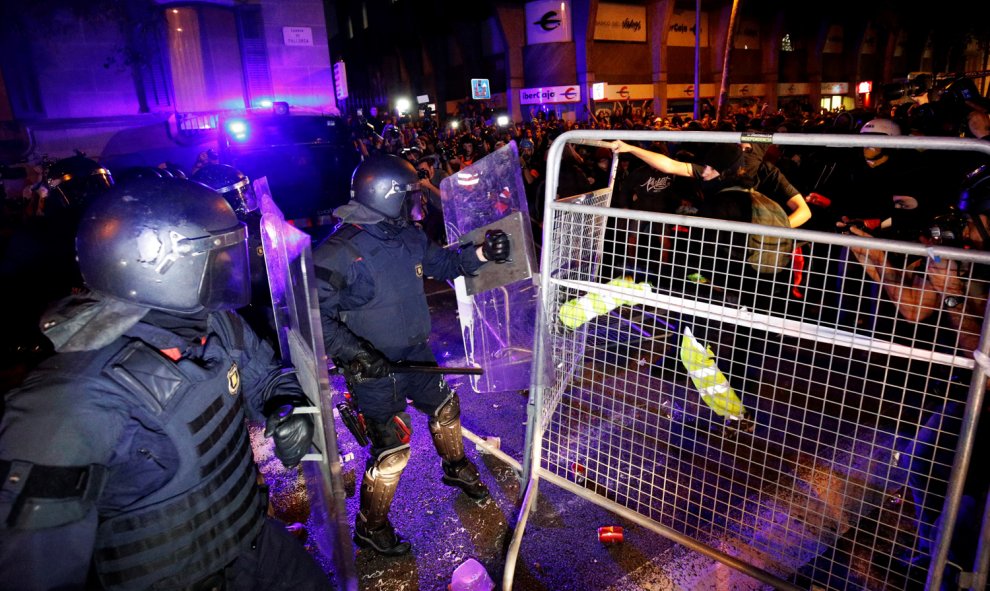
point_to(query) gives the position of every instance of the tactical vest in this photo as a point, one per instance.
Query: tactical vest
(212, 509)
(398, 315)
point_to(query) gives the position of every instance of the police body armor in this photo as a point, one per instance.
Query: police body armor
(212, 508)
(398, 315)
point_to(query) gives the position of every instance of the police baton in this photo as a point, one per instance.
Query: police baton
(409, 368)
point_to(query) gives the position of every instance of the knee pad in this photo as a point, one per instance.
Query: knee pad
(381, 478)
(445, 428)
(389, 463)
(393, 433)
(448, 412)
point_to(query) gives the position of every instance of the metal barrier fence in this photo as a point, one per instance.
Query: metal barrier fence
(795, 424)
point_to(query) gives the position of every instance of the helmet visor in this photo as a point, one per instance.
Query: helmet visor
(226, 281)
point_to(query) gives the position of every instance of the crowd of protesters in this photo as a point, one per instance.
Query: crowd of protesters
(475, 131)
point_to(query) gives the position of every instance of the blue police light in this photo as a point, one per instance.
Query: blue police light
(237, 129)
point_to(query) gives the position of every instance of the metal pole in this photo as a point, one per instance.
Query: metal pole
(697, 59)
(730, 39)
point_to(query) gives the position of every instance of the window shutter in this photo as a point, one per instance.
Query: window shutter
(254, 55)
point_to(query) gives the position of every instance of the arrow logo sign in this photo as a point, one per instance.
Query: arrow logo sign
(549, 21)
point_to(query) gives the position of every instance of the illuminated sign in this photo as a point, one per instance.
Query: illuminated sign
(834, 88)
(686, 91)
(865, 86)
(550, 94)
(548, 21)
(340, 80)
(629, 92)
(598, 91)
(480, 89)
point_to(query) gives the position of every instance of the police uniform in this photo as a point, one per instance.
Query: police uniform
(370, 275)
(140, 462)
(125, 460)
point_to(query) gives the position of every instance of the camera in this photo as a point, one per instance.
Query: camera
(422, 174)
(947, 229)
(940, 104)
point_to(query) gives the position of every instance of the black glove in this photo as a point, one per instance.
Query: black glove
(496, 246)
(369, 364)
(293, 434)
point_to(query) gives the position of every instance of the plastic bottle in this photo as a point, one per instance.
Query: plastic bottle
(471, 576)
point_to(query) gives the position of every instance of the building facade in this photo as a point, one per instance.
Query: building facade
(146, 80)
(571, 55)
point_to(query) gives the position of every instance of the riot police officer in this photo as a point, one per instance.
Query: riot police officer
(124, 459)
(235, 186)
(374, 311)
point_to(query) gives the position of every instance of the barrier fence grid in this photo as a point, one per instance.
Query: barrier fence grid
(753, 394)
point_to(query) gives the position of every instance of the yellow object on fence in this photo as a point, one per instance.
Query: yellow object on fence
(576, 312)
(699, 361)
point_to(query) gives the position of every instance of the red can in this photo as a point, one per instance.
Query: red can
(610, 534)
(579, 472)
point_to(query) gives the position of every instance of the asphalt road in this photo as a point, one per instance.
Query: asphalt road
(560, 551)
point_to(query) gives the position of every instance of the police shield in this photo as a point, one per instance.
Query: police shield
(497, 308)
(289, 261)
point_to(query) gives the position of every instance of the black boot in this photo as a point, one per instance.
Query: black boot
(464, 475)
(383, 540)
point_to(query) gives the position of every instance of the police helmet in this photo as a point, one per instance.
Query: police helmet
(165, 243)
(381, 184)
(234, 185)
(138, 172)
(974, 195)
(78, 179)
(881, 127)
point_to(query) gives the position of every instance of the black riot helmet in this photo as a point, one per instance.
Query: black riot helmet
(77, 179)
(165, 243)
(234, 185)
(381, 183)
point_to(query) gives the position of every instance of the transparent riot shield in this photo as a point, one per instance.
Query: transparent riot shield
(289, 260)
(498, 307)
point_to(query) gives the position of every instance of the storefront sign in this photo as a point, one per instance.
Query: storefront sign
(793, 89)
(748, 34)
(680, 31)
(683, 91)
(548, 21)
(628, 92)
(550, 94)
(620, 22)
(834, 88)
(747, 90)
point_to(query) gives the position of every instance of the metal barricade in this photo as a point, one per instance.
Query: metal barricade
(810, 425)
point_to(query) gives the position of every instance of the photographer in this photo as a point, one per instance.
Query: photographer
(954, 297)
(978, 123)
(432, 205)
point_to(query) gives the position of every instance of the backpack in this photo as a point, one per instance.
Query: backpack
(768, 254)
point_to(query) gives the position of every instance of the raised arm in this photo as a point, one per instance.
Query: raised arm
(658, 161)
